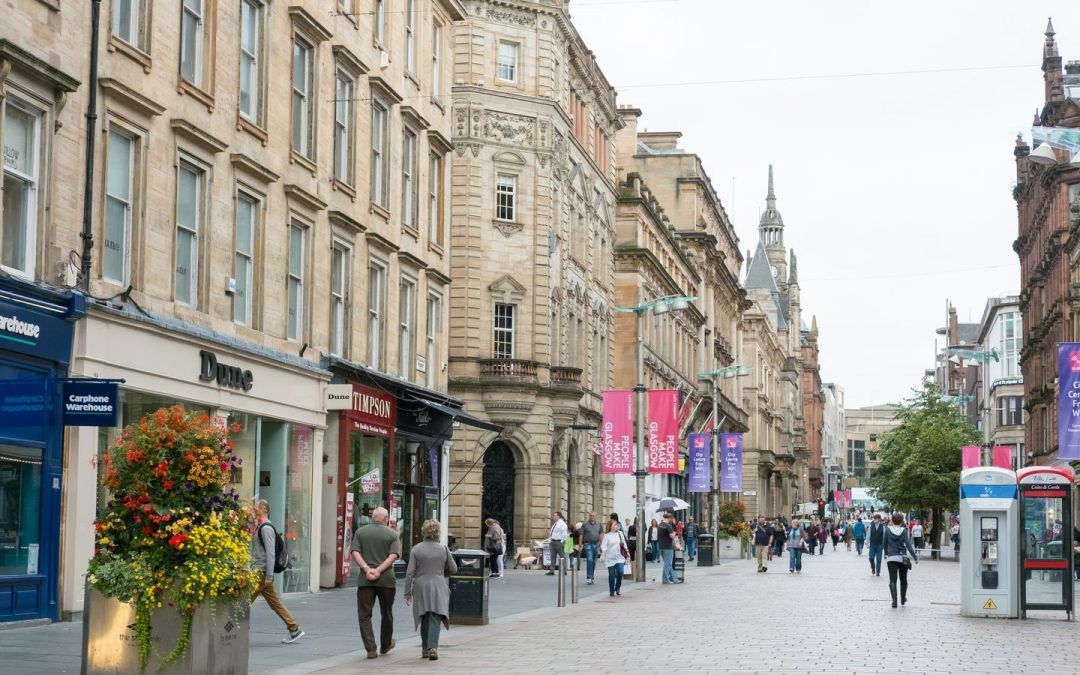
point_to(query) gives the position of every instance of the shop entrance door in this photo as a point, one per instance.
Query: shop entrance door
(498, 500)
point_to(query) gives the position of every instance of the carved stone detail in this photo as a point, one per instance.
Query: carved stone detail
(507, 229)
(526, 20)
(509, 128)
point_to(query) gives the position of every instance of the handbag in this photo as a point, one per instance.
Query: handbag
(623, 548)
(627, 569)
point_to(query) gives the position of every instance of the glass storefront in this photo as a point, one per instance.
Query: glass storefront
(20, 509)
(276, 466)
(416, 491)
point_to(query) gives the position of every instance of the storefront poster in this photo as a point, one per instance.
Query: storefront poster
(370, 483)
(433, 460)
(22, 403)
(616, 454)
(347, 534)
(700, 476)
(663, 431)
(1069, 400)
(731, 460)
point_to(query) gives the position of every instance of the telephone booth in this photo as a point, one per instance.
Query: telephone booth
(1046, 561)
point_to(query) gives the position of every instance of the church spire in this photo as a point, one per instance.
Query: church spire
(1050, 48)
(770, 199)
(793, 273)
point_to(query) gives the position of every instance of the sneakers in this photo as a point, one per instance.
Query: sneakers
(589, 582)
(393, 643)
(293, 637)
(494, 576)
(373, 655)
(433, 654)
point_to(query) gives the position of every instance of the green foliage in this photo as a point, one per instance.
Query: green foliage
(732, 512)
(920, 459)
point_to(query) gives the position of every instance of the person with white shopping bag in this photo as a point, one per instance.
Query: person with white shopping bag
(615, 555)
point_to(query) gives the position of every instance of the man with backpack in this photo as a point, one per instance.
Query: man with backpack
(269, 556)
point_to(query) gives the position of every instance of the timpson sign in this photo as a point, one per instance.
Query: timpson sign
(363, 404)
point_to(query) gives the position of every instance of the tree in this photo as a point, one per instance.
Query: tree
(920, 459)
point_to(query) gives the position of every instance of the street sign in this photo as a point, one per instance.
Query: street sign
(749, 493)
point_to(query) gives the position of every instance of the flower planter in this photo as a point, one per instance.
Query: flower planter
(727, 548)
(219, 640)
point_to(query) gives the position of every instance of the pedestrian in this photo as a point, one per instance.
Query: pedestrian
(427, 587)
(666, 543)
(811, 537)
(780, 531)
(614, 517)
(557, 541)
(762, 543)
(795, 543)
(835, 536)
(823, 536)
(654, 540)
(631, 539)
(877, 544)
(859, 532)
(495, 546)
(374, 549)
(1076, 550)
(591, 532)
(690, 534)
(572, 546)
(847, 534)
(897, 546)
(613, 553)
(263, 555)
(917, 533)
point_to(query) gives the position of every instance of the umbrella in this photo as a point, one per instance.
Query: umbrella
(670, 504)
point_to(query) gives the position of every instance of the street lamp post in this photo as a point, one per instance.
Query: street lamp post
(714, 493)
(984, 358)
(659, 306)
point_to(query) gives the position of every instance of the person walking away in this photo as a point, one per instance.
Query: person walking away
(877, 544)
(494, 540)
(572, 547)
(557, 541)
(666, 542)
(427, 587)
(690, 535)
(847, 534)
(795, 541)
(823, 536)
(859, 532)
(955, 537)
(263, 550)
(654, 540)
(917, 533)
(631, 539)
(374, 549)
(780, 531)
(897, 547)
(590, 539)
(762, 543)
(811, 537)
(613, 554)
(835, 536)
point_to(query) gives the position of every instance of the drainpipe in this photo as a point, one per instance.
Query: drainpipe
(87, 234)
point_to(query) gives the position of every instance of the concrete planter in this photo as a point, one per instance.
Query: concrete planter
(219, 642)
(727, 548)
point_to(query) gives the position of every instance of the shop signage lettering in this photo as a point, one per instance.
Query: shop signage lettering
(370, 483)
(338, 396)
(370, 405)
(91, 404)
(374, 407)
(233, 377)
(36, 333)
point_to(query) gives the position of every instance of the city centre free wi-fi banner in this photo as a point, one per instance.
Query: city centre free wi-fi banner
(700, 478)
(1069, 400)
(663, 431)
(615, 454)
(731, 459)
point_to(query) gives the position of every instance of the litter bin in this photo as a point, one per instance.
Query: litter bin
(678, 566)
(469, 588)
(705, 547)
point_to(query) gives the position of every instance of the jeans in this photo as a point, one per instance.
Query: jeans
(812, 543)
(821, 551)
(668, 554)
(590, 561)
(691, 547)
(365, 603)
(875, 557)
(430, 625)
(614, 578)
(795, 558)
(859, 544)
(655, 550)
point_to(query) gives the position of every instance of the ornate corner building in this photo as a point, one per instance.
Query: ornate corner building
(531, 230)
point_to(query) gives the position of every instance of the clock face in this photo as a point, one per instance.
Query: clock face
(774, 270)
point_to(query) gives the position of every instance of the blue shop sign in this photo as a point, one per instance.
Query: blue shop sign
(22, 402)
(35, 333)
(88, 403)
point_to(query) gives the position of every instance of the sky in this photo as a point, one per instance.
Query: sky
(895, 189)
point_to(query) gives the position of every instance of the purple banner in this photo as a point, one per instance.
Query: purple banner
(433, 459)
(1069, 400)
(700, 463)
(731, 463)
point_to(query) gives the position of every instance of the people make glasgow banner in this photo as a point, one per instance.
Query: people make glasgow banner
(616, 454)
(663, 431)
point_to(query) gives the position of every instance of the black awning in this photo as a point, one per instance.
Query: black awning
(460, 415)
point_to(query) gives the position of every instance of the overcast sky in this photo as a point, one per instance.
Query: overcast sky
(895, 189)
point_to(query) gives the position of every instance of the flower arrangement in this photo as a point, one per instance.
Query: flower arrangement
(731, 523)
(170, 534)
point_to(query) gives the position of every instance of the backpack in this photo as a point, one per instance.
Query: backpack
(281, 553)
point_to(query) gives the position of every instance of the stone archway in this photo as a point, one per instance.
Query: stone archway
(498, 487)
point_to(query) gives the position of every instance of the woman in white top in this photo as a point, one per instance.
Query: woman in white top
(611, 554)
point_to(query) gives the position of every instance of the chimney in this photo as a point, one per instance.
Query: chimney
(626, 140)
(1051, 67)
(954, 327)
(662, 140)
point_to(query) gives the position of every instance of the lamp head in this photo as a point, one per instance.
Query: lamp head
(1043, 154)
(679, 304)
(661, 308)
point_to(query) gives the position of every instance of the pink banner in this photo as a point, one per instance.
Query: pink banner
(1003, 457)
(971, 457)
(847, 499)
(663, 431)
(616, 454)
(838, 499)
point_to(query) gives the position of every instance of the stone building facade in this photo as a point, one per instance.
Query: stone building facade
(532, 229)
(1002, 392)
(270, 192)
(813, 409)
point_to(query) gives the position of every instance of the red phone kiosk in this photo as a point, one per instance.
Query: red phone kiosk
(1046, 541)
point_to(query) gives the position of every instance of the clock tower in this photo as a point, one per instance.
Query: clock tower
(771, 234)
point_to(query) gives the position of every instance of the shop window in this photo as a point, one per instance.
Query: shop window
(20, 509)
(18, 237)
(119, 202)
(368, 463)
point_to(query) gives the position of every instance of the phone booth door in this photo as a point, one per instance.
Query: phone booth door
(1046, 568)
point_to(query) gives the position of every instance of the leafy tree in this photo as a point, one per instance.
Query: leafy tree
(920, 459)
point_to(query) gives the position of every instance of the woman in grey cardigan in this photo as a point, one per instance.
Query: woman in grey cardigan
(427, 583)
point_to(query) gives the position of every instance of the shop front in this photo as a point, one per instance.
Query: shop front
(36, 327)
(393, 440)
(272, 402)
